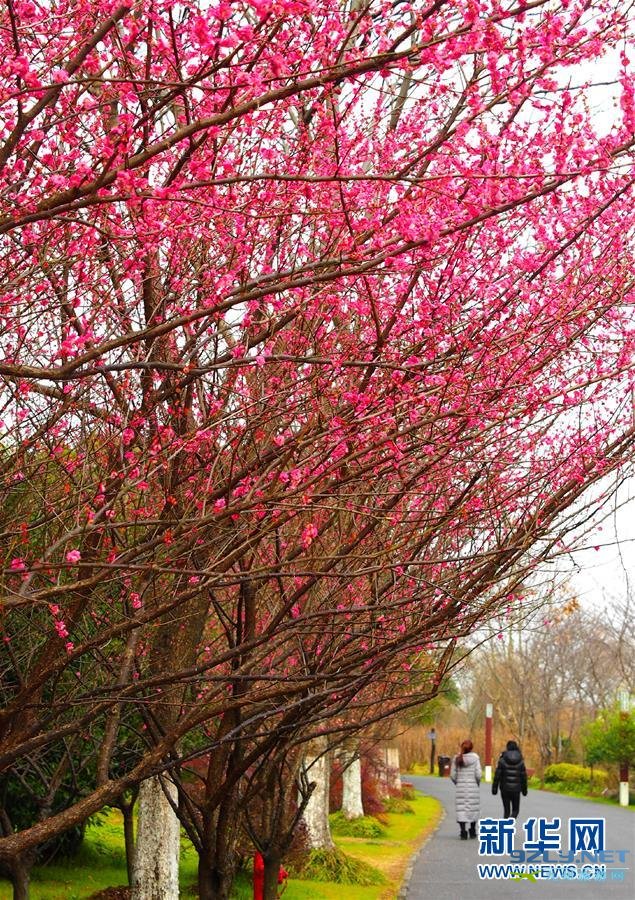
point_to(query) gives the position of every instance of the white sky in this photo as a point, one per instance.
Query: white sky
(609, 571)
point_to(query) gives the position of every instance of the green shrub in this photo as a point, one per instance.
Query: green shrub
(333, 865)
(398, 805)
(364, 827)
(575, 776)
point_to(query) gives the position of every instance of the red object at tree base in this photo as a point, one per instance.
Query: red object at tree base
(259, 876)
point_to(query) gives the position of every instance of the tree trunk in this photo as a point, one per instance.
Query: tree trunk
(393, 777)
(212, 884)
(215, 878)
(272, 869)
(20, 879)
(352, 806)
(207, 890)
(156, 864)
(128, 834)
(316, 813)
(204, 887)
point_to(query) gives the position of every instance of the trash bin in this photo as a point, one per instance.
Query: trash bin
(444, 766)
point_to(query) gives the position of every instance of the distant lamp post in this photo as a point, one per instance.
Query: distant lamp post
(432, 734)
(624, 698)
(489, 712)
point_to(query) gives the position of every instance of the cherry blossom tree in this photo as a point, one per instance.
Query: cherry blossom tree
(316, 326)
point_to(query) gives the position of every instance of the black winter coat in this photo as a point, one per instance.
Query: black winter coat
(511, 774)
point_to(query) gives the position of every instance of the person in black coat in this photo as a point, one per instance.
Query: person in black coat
(511, 777)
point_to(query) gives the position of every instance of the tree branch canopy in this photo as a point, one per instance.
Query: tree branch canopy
(316, 327)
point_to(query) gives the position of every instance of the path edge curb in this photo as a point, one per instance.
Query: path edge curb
(407, 878)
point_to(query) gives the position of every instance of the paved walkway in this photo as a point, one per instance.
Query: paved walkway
(446, 867)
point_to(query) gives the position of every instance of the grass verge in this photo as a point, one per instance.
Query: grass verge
(390, 854)
(101, 862)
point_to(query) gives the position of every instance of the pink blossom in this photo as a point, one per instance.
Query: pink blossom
(309, 532)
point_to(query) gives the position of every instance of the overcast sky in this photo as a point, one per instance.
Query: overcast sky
(608, 571)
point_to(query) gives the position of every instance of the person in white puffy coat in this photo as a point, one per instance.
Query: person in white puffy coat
(465, 772)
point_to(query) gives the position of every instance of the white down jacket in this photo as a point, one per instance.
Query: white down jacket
(467, 779)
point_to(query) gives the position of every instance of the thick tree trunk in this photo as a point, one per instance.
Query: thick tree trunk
(156, 865)
(316, 813)
(352, 806)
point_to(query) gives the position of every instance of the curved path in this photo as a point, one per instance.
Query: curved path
(446, 868)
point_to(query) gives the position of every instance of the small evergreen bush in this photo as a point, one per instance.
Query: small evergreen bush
(364, 827)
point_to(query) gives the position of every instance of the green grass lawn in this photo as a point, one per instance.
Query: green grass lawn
(101, 862)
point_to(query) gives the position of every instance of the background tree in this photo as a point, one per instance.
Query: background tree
(550, 675)
(610, 739)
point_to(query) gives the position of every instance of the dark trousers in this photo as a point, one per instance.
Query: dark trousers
(511, 803)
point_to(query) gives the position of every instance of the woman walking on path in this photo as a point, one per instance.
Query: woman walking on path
(511, 776)
(466, 775)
